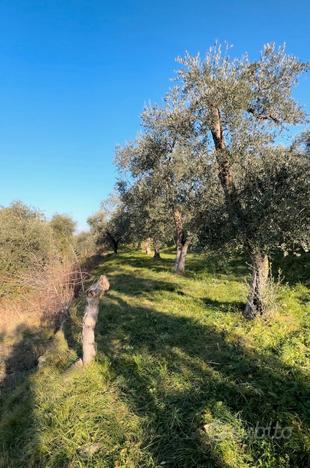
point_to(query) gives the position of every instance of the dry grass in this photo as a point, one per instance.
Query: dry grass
(42, 294)
(42, 299)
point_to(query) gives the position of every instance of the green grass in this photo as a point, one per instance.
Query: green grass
(180, 380)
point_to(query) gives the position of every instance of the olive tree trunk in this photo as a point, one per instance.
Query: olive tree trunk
(256, 304)
(148, 246)
(115, 246)
(181, 256)
(93, 295)
(182, 242)
(156, 249)
(114, 242)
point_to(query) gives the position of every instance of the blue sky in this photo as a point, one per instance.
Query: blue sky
(75, 75)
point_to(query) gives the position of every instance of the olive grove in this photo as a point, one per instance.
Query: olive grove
(210, 167)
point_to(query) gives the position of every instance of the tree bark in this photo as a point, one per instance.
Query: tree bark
(181, 256)
(115, 247)
(156, 250)
(182, 243)
(114, 242)
(256, 304)
(225, 173)
(148, 246)
(93, 295)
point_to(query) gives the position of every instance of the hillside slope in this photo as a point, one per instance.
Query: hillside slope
(180, 380)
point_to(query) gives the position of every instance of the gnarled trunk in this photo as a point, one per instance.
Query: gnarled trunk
(93, 295)
(181, 256)
(182, 242)
(256, 304)
(148, 246)
(114, 242)
(225, 173)
(156, 249)
(115, 246)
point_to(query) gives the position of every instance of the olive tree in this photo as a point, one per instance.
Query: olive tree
(118, 228)
(233, 110)
(167, 169)
(238, 108)
(110, 226)
(274, 193)
(147, 219)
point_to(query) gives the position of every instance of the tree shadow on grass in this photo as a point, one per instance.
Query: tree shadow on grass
(138, 262)
(119, 283)
(293, 269)
(175, 371)
(17, 404)
(29, 344)
(135, 286)
(217, 265)
(210, 264)
(224, 306)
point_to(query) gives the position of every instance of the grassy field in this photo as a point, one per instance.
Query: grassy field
(180, 380)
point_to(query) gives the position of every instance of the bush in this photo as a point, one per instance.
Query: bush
(85, 245)
(39, 269)
(26, 242)
(63, 227)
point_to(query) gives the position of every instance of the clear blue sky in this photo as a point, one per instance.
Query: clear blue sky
(75, 75)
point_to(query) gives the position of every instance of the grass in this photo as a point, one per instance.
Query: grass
(180, 379)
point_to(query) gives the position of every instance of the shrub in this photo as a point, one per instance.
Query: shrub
(26, 242)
